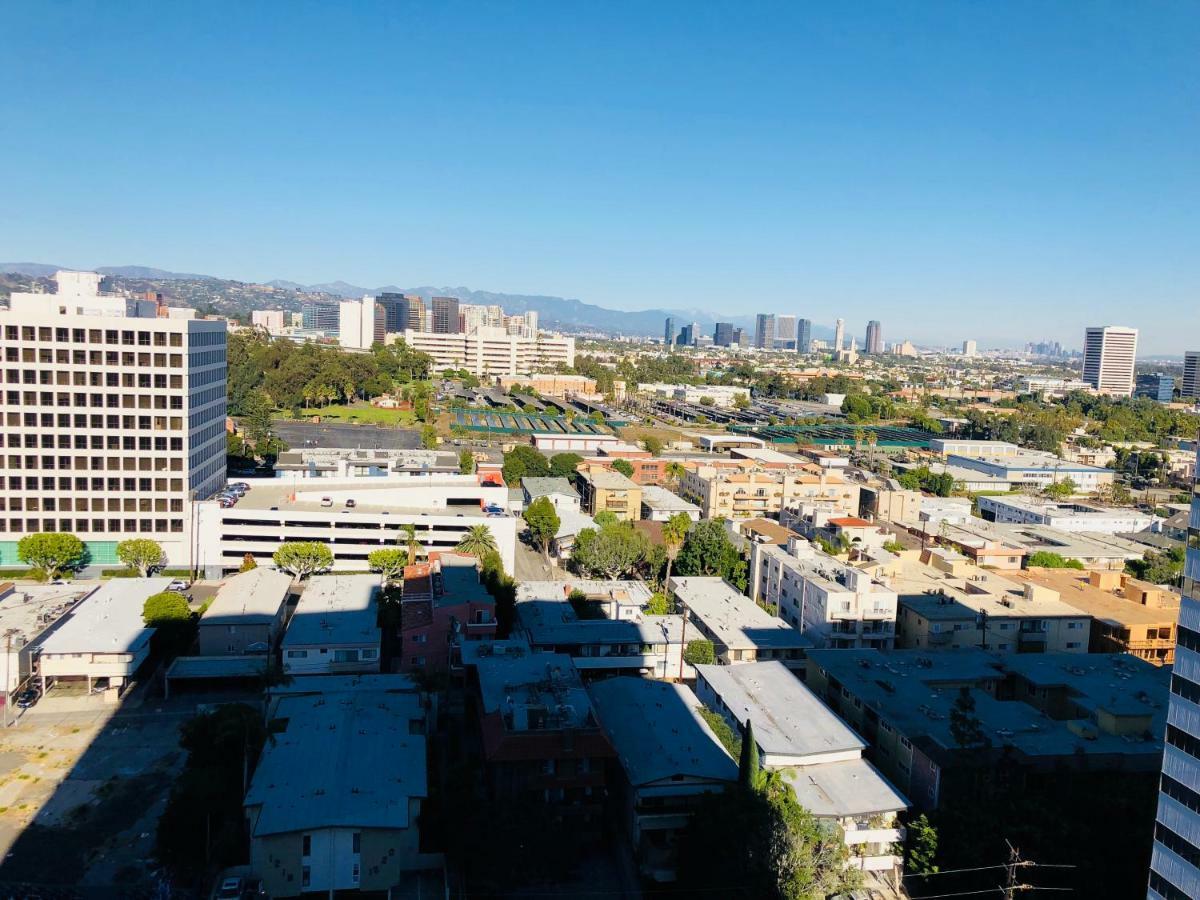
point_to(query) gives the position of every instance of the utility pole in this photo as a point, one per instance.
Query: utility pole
(682, 636)
(1014, 862)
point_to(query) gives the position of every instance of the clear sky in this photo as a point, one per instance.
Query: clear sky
(999, 171)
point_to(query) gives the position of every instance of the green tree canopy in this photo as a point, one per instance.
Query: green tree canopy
(624, 466)
(303, 558)
(699, 652)
(165, 608)
(543, 521)
(142, 554)
(53, 552)
(466, 462)
(388, 562)
(612, 551)
(1045, 559)
(708, 551)
(562, 465)
(477, 541)
(524, 462)
(653, 445)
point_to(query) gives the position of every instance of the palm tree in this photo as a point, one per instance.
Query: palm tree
(410, 540)
(675, 471)
(477, 542)
(674, 533)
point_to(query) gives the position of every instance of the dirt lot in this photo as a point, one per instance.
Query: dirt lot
(81, 788)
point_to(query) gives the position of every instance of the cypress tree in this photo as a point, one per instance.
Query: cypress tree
(748, 771)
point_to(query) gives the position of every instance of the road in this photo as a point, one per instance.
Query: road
(357, 437)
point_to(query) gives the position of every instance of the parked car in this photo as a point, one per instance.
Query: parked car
(28, 698)
(177, 585)
(327, 501)
(230, 889)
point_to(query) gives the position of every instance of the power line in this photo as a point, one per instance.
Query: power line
(1025, 863)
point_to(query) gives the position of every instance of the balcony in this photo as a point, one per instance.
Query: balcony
(864, 835)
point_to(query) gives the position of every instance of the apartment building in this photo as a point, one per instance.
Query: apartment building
(1109, 355)
(666, 758)
(114, 418)
(246, 615)
(1121, 623)
(321, 816)
(1048, 716)
(831, 603)
(604, 490)
(101, 638)
(946, 603)
(352, 516)
(334, 629)
(542, 743)
(820, 756)
(488, 352)
(444, 605)
(740, 630)
(721, 493)
(1175, 862)
(659, 505)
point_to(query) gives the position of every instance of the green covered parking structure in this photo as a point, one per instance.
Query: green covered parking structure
(841, 435)
(490, 421)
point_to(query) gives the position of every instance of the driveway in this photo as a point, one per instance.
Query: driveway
(530, 566)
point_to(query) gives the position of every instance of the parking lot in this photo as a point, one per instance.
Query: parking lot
(299, 435)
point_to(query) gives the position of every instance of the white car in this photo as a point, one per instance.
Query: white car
(177, 585)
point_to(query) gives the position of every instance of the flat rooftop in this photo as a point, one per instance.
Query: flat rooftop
(30, 609)
(936, 594)
(108, 620)
(733, 618)
(544, 487)
(657, 497)
(608, 479)
(767, 456)
(625, 592)
(370, 498)
(554, 623)
(1074, 590)
(914, 691)
(851, 788)
(335, 610)
(328, 457)
(546, 681)
(349, 759)
(788, 718)
(1032, 538)
(249, 598)
(657, 731)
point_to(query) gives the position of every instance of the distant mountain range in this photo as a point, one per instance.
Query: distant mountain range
(229, 296)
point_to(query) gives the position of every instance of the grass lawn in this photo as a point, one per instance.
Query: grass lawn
(363, 413)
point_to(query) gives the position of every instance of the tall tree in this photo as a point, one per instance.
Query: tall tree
(52, 552)
(674, 533)
(388, 562)
(410, 541)
(543, 521)
(524, 462)
(477, 541)
(303, 558)
(609, 552)
(749, 772)
(142, 554)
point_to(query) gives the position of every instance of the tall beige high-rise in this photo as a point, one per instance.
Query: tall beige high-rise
(1109, 354)
(114, 418)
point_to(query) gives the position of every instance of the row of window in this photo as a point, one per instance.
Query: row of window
(93, 485)
(110, 504)
(129, 423)
(339, 656)
(94, 358)
(128, 338)
(1177, 844)
(1165, 889)
(90, 442)
(86, 463)
(82, 526)
(47, 377)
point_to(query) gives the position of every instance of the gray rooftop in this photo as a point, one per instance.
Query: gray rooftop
(660, 498)
(249, 598)
(733, 618)
(345, 759)
(788, 718)
(544, 487)
(914, 691)
(509, 683)
(657, 731)
(108, 620)
(335, 610)
(851, 788)
(218, 666)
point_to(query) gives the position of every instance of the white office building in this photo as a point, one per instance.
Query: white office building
(269, 320)
(1175, 861)
(1109, 353)
(361, 323)
(493, 351)
(830, 603)
(114, 414)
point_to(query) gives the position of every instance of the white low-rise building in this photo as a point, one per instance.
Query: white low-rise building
(353, 516)
(1069, 516)
(821, 756)
(1037, 469)
(334, 629)
(103, 636)
(489, 351)
(829, 602)
(659, 505)
(740, 630)
(26, 613)
(724, 396)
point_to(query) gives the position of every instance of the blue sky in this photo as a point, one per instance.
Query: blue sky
(1003, 171)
